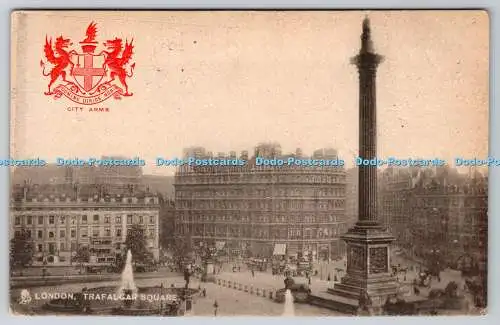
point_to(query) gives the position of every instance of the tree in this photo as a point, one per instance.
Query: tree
(136, 242)
(82, 256)
(21, 250)
(183, 250)
(167, 227)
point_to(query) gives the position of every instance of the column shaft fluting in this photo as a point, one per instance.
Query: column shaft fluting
(367, 182)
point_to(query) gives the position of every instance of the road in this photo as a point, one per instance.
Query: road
(319, 283)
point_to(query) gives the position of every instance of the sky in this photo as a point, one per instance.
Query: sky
(229, 80)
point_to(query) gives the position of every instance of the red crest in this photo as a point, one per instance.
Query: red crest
(87, 77)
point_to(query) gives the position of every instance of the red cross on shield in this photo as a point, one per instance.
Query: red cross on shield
(88, 70)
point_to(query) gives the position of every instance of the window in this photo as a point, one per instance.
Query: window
(151, 219)
(51, 220)
(40, 234)
(62, 233)
(129, 219)
(84, 219)
(17, 221)
(51, 234)
(73, 220)
(17, 233)
(29, 220)
(141, 219)
(62, 247)
(118, 232)
(84, 233)
(52, 248)
(107, 232)
(73, 246)
(95, 232)
(106, 219)
(40, 220)
(40, 247)
(73, 233)
(28, 233)
(96, 218)
(151, 233)
(118, 219)
(62, 220)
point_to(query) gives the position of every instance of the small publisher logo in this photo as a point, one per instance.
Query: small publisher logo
(84, 77)
(25, 297)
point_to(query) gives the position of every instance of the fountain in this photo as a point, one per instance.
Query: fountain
(129, 299)
(288, 310)
(127, 287)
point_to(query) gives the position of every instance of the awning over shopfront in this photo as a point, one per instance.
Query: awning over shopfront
(323, 247)
(279, 249)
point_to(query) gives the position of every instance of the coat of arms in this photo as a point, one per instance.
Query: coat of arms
(85, 77)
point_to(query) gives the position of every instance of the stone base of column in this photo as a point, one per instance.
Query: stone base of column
(368, 268)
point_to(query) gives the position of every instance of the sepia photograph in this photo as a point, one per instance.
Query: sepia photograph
(249, 163)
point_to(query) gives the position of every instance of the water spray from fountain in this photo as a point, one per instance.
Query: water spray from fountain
(128, 284)
(289, 310)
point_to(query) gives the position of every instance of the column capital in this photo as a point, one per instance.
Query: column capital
(367, 60)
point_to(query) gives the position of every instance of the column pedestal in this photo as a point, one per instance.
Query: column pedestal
(368, 268)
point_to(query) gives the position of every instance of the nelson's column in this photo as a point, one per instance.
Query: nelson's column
(368, 277)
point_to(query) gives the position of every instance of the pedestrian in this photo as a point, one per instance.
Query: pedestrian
(253, 273)
(216, 306)
(309, 280)
(328, 278)
(204, 292)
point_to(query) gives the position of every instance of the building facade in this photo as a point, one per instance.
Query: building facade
(251, 210)
(437, 210)
(61, 219)
(395, 192)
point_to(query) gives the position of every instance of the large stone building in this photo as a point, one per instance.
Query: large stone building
(62, 218)
(258, 210)
(395, 190)
(438, 209)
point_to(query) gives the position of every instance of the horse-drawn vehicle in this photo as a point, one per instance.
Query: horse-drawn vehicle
(257, 264)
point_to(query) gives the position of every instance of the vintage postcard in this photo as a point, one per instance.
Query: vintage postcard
(260, 163)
